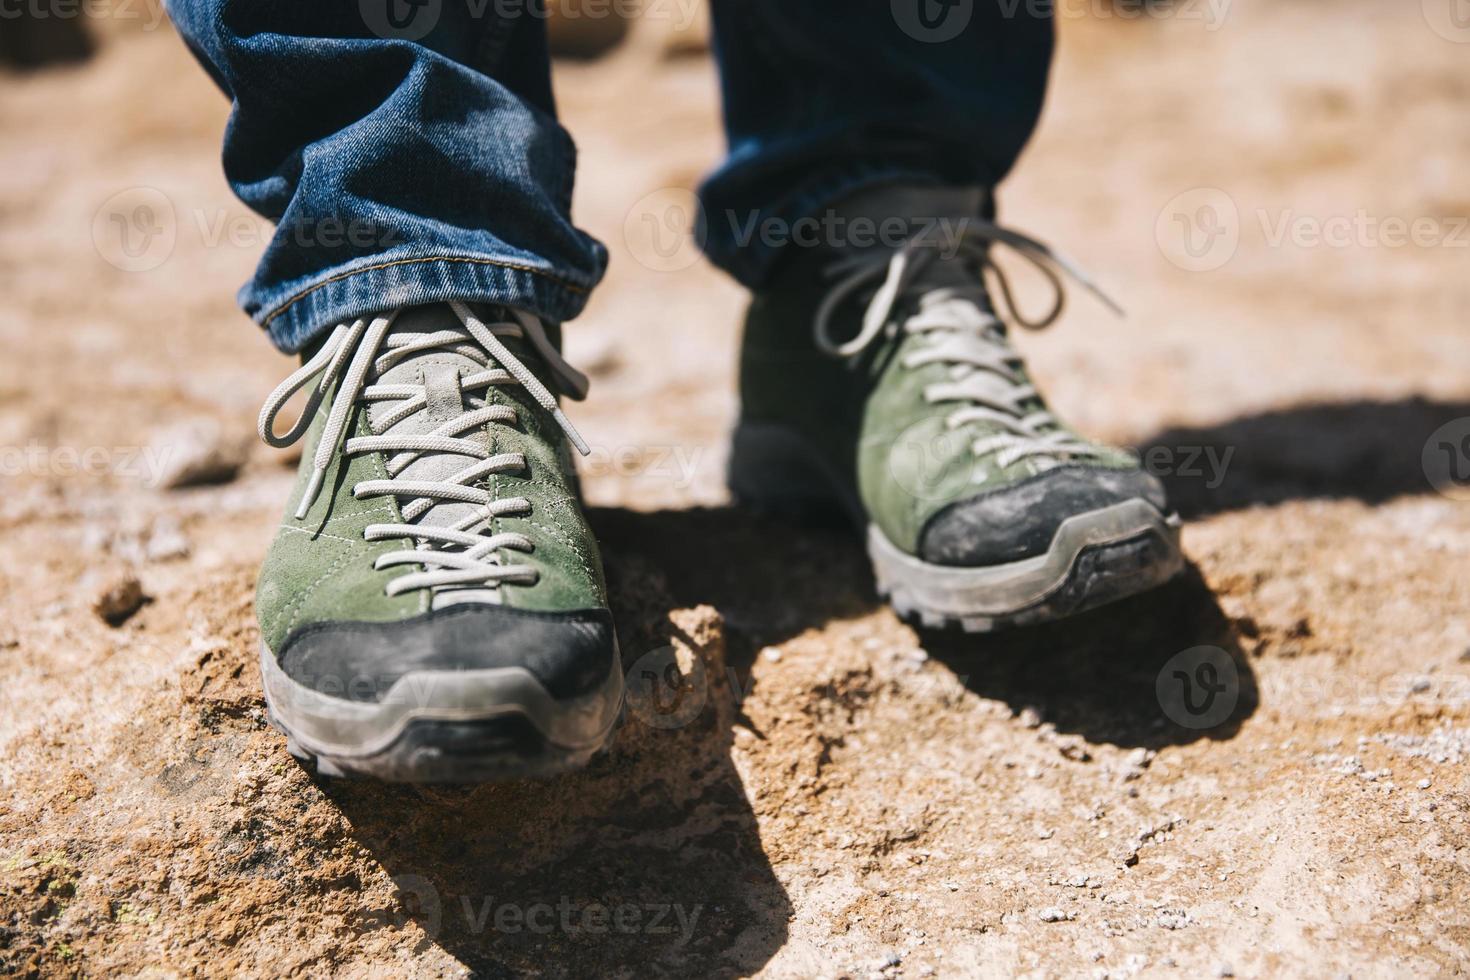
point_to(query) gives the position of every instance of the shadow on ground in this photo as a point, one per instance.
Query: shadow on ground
(31, 39)
(649, 862)
(1163, 668)
(1095, 674)
(1363, 450)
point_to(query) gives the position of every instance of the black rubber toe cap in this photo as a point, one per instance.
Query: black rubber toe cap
(570, 653)
(1019, 521)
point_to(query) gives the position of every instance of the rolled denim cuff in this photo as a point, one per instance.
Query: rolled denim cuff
(294, 315)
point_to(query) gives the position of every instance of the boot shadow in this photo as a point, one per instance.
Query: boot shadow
(1109, 675)
(1161, 668)
(647, 862)
(33, 40)
(1373, 451)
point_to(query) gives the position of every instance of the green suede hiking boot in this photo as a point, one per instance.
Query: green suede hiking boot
(433, 608)
(880, 379)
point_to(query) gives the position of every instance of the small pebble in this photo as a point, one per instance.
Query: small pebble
(196, 452)
(122, 597)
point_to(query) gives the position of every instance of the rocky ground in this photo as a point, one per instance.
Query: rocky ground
(836, 793)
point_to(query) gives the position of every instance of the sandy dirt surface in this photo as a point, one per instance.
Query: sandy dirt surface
(836, 793)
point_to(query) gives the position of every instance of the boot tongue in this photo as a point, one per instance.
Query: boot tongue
(876, 222)
(938, 215)
(438, 370)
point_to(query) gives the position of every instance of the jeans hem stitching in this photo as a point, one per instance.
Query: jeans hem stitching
(500, 263)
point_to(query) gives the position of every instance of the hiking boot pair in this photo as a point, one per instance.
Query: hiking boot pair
(433, 608)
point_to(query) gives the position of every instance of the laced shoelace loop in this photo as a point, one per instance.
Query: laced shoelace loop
(365, 347)
(987, 374)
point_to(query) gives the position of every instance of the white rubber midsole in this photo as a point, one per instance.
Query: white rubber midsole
(333, 726)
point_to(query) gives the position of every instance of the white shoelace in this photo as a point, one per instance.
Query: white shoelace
(454, 555)
(986, 372)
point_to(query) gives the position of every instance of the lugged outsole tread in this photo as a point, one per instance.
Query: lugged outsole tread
(1102, 574)
(1099, 565)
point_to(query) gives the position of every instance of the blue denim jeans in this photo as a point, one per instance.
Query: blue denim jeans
(409, 150)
